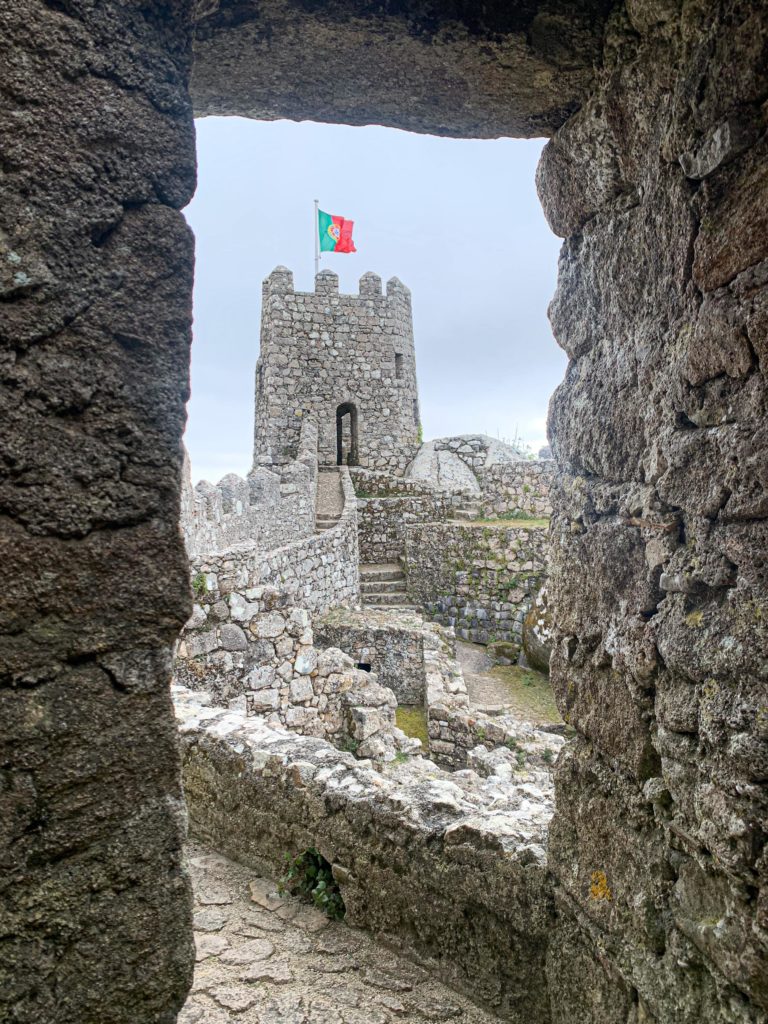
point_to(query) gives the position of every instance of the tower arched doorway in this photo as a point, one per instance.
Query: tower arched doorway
(346, 435)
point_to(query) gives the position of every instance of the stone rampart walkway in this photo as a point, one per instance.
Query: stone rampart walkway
(267, 959)
(330, 497)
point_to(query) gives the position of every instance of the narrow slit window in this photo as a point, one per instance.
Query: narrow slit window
(398, 366)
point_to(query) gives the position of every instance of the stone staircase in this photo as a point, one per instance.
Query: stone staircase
(330, 498)
(383, 588)
(469, 510)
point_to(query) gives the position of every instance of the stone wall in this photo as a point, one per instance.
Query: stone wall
(461, 737)
(253, 652)
(386, 505)
(658, 184)
(265, 510)
(392, 645)
(478, 579)
(321, 350)
(417, 661)
(96, 266)
(318, 572)
(658, 573)
(452, 870)
(516, 489)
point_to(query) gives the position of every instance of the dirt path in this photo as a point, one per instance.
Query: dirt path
(522, 693)
(484, 689)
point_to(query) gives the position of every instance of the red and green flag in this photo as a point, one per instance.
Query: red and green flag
(335, 233)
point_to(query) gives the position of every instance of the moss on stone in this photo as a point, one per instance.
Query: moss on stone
(199, 585)
(516, 521)
(412, 719)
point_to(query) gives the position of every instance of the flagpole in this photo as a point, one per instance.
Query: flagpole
(317, 237)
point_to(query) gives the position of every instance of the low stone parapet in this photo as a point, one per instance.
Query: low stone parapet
(386, 505)
(451, 869)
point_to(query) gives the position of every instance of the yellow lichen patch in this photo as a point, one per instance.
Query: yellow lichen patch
(695, 620)
(710, 689)
(599, 889)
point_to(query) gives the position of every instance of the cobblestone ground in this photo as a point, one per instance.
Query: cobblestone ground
(267, 959)
(484, 690)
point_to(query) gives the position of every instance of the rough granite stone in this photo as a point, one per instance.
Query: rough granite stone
(96, 278)
(657, 576)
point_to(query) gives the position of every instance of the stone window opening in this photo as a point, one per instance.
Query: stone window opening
(364, 666)
(398, 366)
(346, 435)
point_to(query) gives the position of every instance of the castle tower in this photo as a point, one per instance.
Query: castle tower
(349, 361)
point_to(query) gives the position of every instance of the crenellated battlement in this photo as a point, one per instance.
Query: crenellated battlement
(280, 282)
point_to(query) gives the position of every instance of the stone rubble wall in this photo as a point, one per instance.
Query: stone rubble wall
(451, 869)
(317, 572)
(254, 652)
(393, 645)
(417, 661)
(320, 350)
(268, 509)
(460, 737)
(516, 489)
(478, 579)
(658, 576)
(386, 506)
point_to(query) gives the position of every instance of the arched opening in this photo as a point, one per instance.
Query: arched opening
(346, 435)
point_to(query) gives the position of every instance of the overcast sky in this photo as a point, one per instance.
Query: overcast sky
(457, 221)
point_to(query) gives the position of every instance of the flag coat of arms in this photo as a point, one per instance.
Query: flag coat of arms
(335, 233)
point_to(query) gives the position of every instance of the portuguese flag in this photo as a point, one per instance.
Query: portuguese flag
(335, 233)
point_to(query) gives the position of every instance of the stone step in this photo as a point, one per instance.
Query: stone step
(380, 600)
(327, 520)
(369, 573)
(382, 586)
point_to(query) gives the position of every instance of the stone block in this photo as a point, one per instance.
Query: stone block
(232, 638)
(301, 690)
(306, 660)
(260, 678)
(264, 700)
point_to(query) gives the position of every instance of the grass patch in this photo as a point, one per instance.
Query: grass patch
(412, 719)
(524, 524)
(529, 692)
